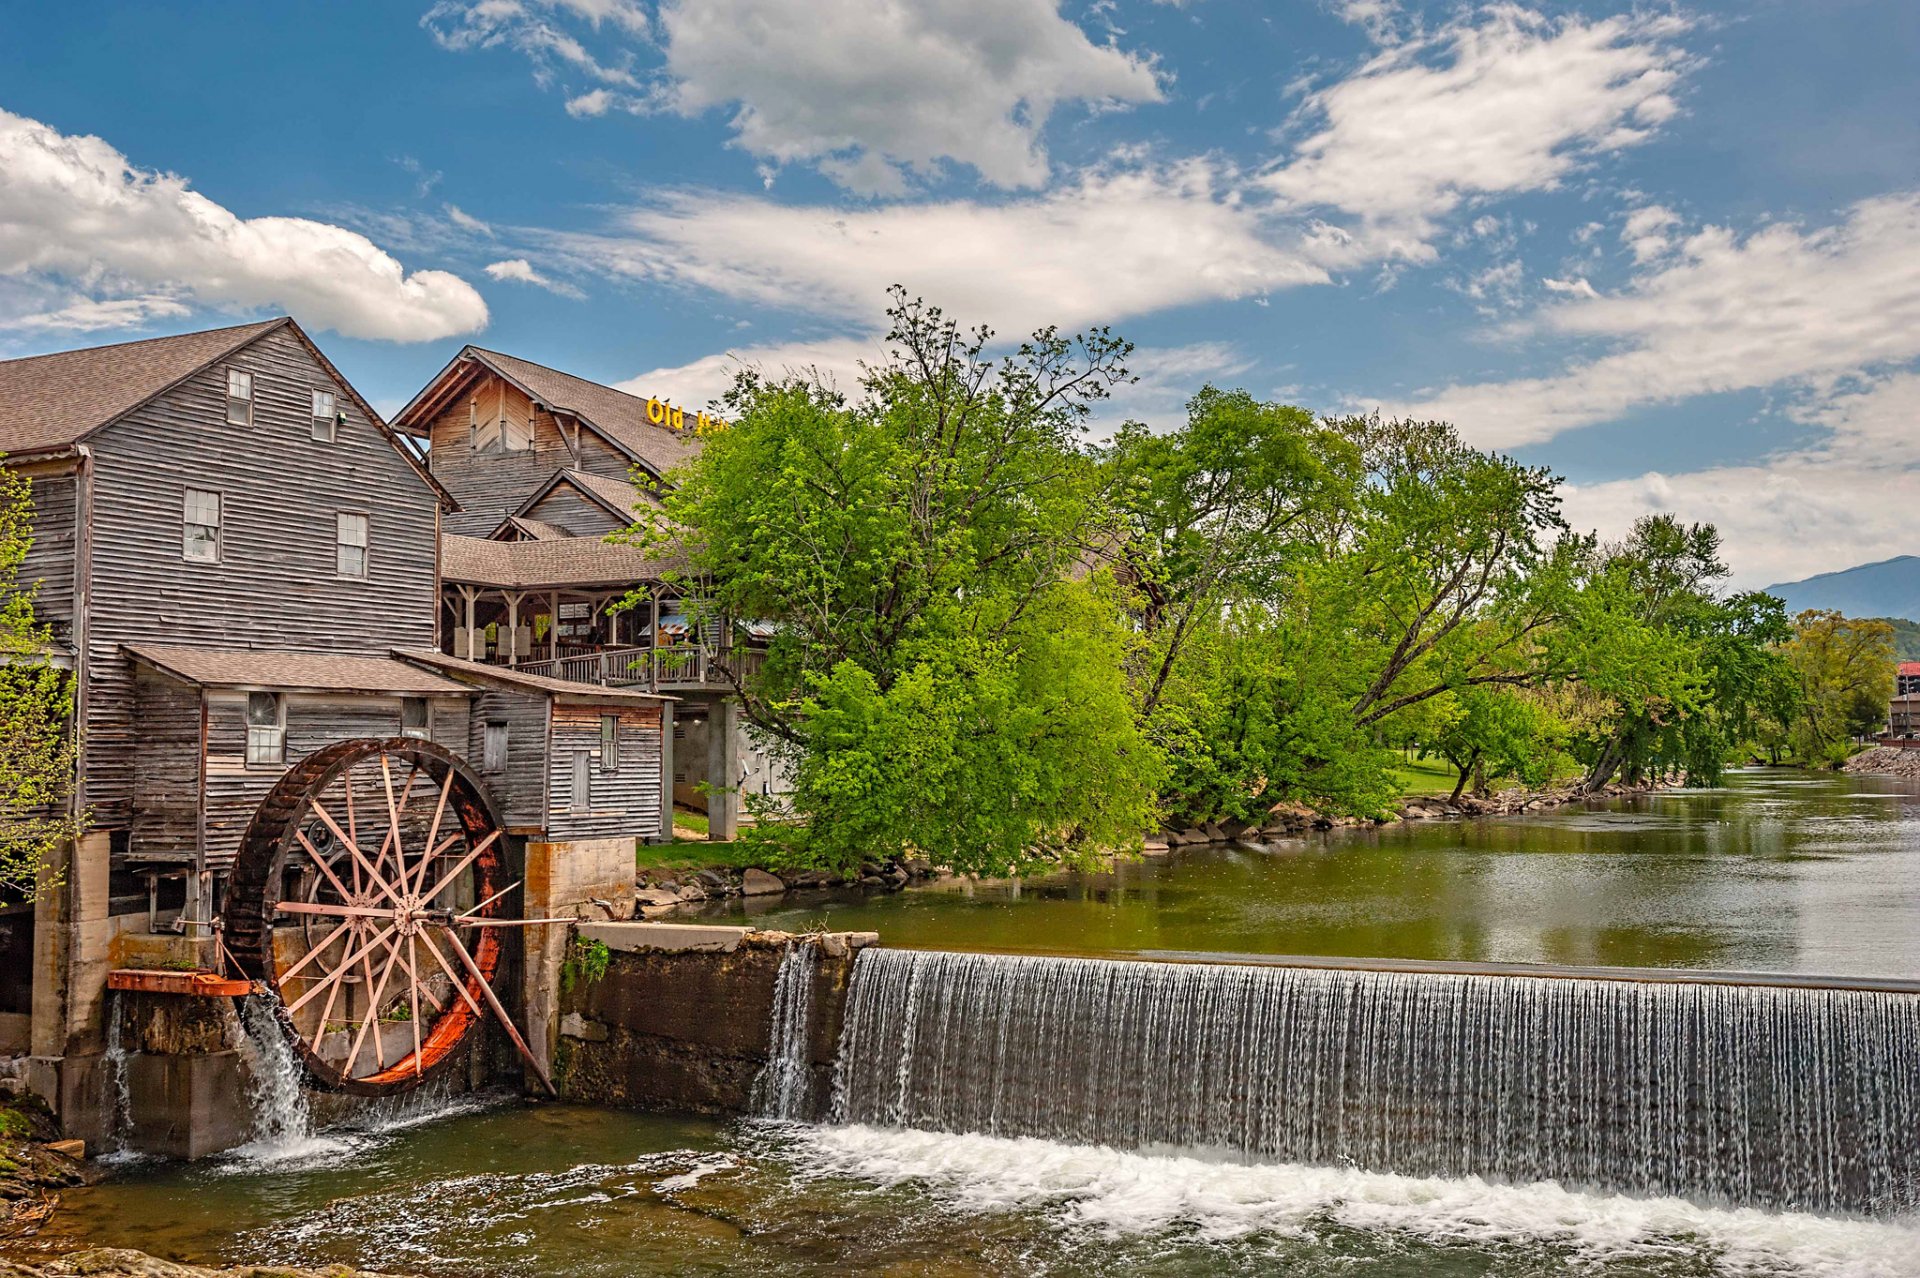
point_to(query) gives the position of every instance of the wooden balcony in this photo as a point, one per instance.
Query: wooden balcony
(672, 669)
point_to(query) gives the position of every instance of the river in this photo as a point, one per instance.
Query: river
(1775, 871)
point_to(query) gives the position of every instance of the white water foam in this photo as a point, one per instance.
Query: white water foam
(1121, 1194)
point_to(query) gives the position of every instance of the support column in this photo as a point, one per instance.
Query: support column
(723, 771)
(563, 880)
(513, 628)
(468, 593)
(665, 834)
(71, 931)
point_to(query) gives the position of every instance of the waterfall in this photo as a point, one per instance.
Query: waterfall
(784, 1088)
(121, 1129)
(1786, 1098)
(282, 1120)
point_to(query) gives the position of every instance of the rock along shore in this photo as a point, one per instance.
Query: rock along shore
(116, 1262)
(1885, 761)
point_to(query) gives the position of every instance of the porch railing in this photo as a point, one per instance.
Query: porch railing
(651, 668)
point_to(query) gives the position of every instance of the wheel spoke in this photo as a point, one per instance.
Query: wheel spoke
(490, 900)
(321, 861)
(372, 1019)
(346, 965)
(459, 981)
(313, 952)
(506, 1021)
(326, 1012)
(413, 993)
(465, 861)
(330, 910)
(359, 857)
(433, 832)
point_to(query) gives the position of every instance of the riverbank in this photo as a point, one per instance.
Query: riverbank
(1885, 761)
(684, 878)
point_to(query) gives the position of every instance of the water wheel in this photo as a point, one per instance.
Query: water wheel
(367, 901)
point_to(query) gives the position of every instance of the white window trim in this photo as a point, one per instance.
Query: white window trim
(276, 735)
(219, 525)
(331, 418)
(365, 546)
(247, 399)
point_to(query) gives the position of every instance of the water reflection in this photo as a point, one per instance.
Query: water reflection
(1776, 870)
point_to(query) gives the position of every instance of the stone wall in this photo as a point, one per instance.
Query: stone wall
(681, 1017)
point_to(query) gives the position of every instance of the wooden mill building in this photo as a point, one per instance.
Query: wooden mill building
(544, 465)
(241, 563)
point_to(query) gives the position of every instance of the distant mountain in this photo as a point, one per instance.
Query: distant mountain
(1890, 588)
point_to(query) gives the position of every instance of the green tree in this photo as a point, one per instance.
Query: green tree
(946, 673)
(1488, 733)
(36, 711)
(1684, 674)
(1844, 668)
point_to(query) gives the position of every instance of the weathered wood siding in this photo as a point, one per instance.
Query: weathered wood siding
(167, 773)
(622, 802)
(598, 457)
(50, 559)
(314, 721)
(276, 585)
(572, 510)
(520, 792)
(489, 486)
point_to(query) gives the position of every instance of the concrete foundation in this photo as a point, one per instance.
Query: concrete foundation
(580, 879)
(681, 1018)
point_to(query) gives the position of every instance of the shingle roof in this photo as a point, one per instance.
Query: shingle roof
(482, 672)
(49, 401)
(1910, 668)
(623, 495)
(621, 416)
(538, 529)
(575, 561)
(269, 668)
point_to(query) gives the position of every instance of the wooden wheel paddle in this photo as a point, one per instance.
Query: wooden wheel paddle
(367, 902)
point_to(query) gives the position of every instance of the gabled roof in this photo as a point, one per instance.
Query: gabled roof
(535, 529)
(292, 671)
(1910, 668)
(51, 402)
(618, 497)
(520, 680)
(540, 565)
(614, 415)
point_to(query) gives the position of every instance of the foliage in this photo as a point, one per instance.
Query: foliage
(586, 963)
(1845, 672)
(1491, 733)
(1906, 637)
(37, 749)
(946, 676)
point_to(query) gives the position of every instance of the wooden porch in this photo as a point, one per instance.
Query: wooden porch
(669, 668)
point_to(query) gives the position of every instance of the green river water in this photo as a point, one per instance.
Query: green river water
(1778, 871)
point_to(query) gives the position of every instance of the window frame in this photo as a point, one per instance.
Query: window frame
(364, 545)
(273, 737)
(609, 743)
(246, 418)
(423, 731)
(219, 525)
(330, 417)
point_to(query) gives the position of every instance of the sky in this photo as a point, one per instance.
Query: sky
(1671, 251)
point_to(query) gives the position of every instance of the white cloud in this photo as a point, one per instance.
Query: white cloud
(1720, 313)
(1848, 499)
(1501, 102)
(1645, 231)
(1115, 243)
(521, 270)
(467, 221)
(73, 208)
(912, 85)
(835, 360)
(1577, 287)
(867, 91)
(86, 315)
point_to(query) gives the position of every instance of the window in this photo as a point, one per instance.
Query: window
(493, 751)
(266, 729)
(200, 526)
(493, 427)
(414, 718)
(239, 397)
(582, 796)
(350, 545)
(609, 743)
(323, 416)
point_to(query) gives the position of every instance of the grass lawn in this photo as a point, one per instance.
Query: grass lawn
(696, 854)
(1424, 775)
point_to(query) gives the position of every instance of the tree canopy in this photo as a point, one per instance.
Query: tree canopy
(996, 643)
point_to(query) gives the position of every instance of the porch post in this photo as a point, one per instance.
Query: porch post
(513, 627)
(467, 593)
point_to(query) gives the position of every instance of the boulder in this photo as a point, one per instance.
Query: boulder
(757, 882)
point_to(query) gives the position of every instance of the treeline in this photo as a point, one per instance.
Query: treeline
(997, 642)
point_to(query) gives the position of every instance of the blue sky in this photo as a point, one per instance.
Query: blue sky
(1671, 251)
